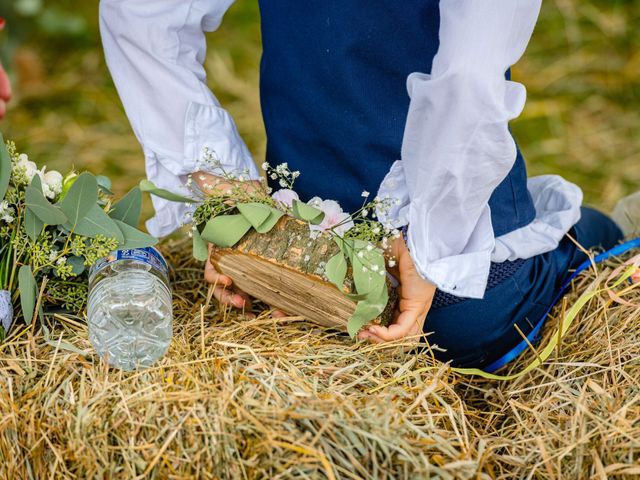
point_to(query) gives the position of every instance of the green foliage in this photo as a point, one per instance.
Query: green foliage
(57, 242)
(80, 199)
(336, 270)
(5, 168)
(227, 230)
(134, 238)
(307, 213)
(255, 213)
(36, 202)
(27, 286)
(200, 247)
(96, 222)
(148, 187)
(128, 208)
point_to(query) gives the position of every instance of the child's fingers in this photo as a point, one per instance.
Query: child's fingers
(405, 325)
(225, 296)
(211, 275)
(242, 300)
(276, 313)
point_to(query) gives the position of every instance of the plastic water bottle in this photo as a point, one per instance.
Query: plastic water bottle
(129, 309)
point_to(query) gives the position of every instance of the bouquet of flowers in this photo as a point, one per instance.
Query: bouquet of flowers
(52, 228)
(355, 264)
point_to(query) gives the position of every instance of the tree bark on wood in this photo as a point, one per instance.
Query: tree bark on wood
(285, 269)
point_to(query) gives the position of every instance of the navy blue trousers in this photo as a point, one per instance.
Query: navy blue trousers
(477, 332)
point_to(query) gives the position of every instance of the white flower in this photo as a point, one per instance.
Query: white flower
(61, 261)
(274, 176)
(52, 255)
(285, 196)
(52, 184)
(392, 263)
(334, 218)
(26, 167)
(6, 212)
(265, 166)
(365, 194)
(282, 183)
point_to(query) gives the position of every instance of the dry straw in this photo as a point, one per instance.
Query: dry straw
(278, 398)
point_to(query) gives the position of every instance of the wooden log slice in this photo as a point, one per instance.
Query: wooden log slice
(284, 268)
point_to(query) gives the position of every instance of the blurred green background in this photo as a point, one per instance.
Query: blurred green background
(582, 72)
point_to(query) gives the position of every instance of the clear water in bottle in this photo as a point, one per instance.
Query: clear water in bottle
(129, 309)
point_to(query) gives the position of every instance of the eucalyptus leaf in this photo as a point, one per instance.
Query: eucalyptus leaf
(149, 187)
(134, 238)
(5, 168)
(40, 206)
(200, 247)
(27, 287)
(104, 184)
(128, 208)
(336, 270)
(307, 213)
(32, 224)
(81, 198)
(96, 222)
(366, 311)
(271, 221)
(77, 264)
(367, 275)
(256, 213)
(226, 230)
(36, 182)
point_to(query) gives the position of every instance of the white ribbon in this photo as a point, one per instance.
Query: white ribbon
(6, 310)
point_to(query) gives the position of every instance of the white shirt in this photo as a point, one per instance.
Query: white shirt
(456, 149)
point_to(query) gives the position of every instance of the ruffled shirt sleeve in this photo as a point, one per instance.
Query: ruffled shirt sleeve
(155, 51)
(457, 147)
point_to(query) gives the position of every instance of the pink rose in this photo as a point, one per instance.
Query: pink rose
(285, 196)
(334, 218)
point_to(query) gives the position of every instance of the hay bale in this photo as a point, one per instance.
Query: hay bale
(280, 398)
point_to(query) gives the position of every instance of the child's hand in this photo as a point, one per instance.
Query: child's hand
(213, 185)
(5, 86)
(416, 295)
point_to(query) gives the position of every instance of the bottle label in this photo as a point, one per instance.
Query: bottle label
(148, 255)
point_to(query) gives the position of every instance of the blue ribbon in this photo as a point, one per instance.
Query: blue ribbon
(533, 336)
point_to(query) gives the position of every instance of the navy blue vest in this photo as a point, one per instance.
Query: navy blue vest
(334, 98)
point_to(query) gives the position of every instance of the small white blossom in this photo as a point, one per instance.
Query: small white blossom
(365, 194)
(265, 165)
(61, 261)
(6, 212)
(283, 183)
(376, 230)
(392, 263)
(52, 184)
(274, 176)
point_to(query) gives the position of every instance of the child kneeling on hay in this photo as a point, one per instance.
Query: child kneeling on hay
(485, 247)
